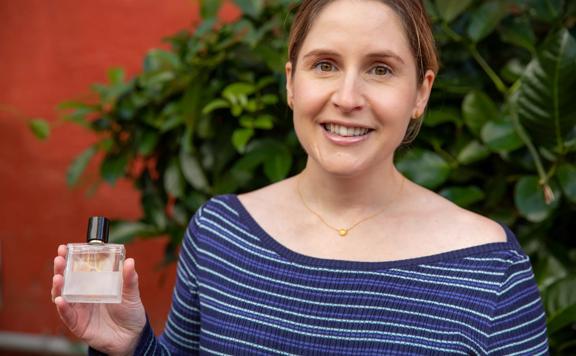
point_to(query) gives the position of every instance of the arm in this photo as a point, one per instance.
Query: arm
(519, 322)
(180, 336)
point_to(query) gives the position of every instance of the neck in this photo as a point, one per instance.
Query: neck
(349, 197)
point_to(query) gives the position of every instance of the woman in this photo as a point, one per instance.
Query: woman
(348, 257)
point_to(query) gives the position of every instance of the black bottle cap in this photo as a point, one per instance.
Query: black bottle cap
(97, 229)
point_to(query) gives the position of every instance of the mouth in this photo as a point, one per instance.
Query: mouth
(346, 131)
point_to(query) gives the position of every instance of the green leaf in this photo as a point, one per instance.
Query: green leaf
(546, 97)
(512, 70)
(560, 303)
(273, 58)
(255, 155)
(252, 105)
(424, 167)
(40, 128)
(173, 180)
(113, 167)
(450, 9)
(240, 138)
(549, 271)
(463, 196)
(485, 18)
(193, 172)
(160, 60)
(116, 76)
(529, 199)
(236, 110)
(209, 8)
(172, 121)
(252, 8)
(180, 214)
(105, 145)
(269, 99)
(154, 207)
(278, 163)
(264, 82)
(147, 142)
(274, 155)
(567, 177)
(154, 81)
(545, 10)
(79, 165)
(500, 136)
(435, 117)
(238, 89)
(565, 318)
(478, 109)
(518, 31)
(264, 122)
(74, 104)
(192, 102)
(122, 232)
(247, 121)
(472, 152)
(206, 26)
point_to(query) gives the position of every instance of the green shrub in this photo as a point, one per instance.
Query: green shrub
(209, 117)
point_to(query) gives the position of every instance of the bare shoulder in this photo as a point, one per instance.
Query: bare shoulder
(277, 195)
(454, 225)
(479, 229)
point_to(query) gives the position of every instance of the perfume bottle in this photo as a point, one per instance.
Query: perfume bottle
(93, 271)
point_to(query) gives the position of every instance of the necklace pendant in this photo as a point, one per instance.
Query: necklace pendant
(342, 232)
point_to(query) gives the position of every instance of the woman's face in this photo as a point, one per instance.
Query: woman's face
(355, 87)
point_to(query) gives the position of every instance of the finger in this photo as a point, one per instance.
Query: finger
(59, 265)
(57, 284)
(66, 312)
(62, 250)
(130, 290)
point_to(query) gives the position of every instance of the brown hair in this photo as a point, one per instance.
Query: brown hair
(416, 27)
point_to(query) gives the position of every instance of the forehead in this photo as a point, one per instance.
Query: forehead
(358, 25)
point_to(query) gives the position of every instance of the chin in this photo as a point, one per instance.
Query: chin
(341, 167)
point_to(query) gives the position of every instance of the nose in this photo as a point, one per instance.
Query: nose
(348, 96)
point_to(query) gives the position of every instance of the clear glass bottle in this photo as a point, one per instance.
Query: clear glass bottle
(93, 271)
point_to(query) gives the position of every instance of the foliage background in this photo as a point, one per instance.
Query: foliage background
(209, 117)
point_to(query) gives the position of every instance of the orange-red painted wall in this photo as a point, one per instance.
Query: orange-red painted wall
(51, 51)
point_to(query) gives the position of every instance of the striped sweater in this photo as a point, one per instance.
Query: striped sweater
(239, 291)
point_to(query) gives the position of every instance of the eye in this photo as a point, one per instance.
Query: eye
(324, 66)
(380, 70)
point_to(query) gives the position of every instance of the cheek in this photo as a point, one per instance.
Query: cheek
(309, 99)
(394, 105)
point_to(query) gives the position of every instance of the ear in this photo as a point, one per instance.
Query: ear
(423, 93)
(289, 89)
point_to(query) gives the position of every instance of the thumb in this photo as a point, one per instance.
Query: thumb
(130, 291)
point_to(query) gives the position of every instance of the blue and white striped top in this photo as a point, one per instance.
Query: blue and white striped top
(239, 291)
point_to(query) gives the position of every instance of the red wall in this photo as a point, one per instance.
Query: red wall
(51, 51)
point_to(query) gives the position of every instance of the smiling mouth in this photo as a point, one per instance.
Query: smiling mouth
(345, 131)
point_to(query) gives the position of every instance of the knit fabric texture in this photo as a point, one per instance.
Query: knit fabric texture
(239, 291)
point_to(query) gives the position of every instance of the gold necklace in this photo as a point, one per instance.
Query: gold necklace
(344, 231)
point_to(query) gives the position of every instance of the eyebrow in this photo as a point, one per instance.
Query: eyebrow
(379, 54)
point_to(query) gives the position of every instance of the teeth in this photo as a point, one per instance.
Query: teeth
(346, 131)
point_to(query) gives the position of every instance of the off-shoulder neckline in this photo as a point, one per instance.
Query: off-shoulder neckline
(270, 242)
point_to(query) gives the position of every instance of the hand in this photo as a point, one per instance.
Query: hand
(110, 328)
